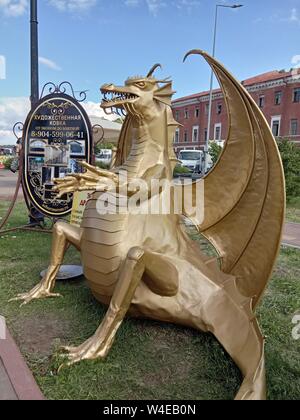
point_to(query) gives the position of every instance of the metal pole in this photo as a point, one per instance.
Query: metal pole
(34, 52)
(34, 215)
(234, 6)
(210, 93)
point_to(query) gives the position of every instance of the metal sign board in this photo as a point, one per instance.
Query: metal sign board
(57, 135)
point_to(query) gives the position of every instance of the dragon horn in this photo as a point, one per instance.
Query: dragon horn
(192, 52)
(153, 69)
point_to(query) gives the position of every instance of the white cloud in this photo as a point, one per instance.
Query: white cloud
(258, 20)
(7, 138)
(13, 8)
(93, 110)
(49, 63)
(2, 67)
(154, 6)
(294, 17)
(19, 7)
(296, 60)
(296, 66)
(73, 5)
(187, 4)
(132, 3)
(12, 110)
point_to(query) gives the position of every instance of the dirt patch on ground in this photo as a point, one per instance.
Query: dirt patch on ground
(163, 341)
(40, 335)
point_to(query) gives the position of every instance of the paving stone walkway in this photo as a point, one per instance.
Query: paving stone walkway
(16, 380)
(291, 235)
(8, 182)
(7, 392)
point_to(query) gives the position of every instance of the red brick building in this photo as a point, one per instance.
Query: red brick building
(277, 93)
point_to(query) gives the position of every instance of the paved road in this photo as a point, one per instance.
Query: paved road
(8, 182)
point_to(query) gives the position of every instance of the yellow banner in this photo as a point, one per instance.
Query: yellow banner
(79, 203)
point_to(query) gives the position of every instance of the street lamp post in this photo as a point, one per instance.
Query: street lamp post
(35, 217)
(34, 53)
(233, 6)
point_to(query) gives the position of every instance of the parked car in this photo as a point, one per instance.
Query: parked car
(104, 157)
(6, 151)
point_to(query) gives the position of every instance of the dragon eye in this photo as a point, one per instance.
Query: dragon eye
(141, 84)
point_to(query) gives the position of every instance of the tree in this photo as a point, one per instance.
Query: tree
(290, 155)
(215, 151)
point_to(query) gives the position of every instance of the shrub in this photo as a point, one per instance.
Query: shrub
(290, 155)
(102, 165)
(215, 151)
(7, 162)
(180, 170)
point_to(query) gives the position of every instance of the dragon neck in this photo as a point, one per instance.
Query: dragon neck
(149, 148)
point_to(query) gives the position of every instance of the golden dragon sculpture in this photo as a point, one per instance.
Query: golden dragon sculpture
(145, 265)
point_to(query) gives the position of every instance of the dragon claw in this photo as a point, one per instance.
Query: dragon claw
(34, 294)
(86, 351)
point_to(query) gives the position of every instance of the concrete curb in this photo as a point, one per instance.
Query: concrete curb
(287, 245)
(18, 373)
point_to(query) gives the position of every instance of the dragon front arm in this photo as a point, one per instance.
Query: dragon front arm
(94, 179)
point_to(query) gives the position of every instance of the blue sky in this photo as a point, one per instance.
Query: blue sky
(91, 42)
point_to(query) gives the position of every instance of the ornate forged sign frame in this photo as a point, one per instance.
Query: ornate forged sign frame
(57, 135)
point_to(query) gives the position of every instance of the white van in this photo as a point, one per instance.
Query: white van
(191, 159)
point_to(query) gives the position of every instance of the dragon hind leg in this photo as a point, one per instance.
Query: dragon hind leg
(156, 270)
(230, 318)
(63, 236)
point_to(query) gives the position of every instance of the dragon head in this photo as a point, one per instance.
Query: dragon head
(140, 97)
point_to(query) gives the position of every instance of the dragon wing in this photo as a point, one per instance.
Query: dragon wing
(244, 194)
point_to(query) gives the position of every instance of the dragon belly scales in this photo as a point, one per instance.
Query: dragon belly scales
(103, 250)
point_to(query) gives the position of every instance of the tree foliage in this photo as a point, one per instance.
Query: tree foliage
(290, 155)
(215, 151)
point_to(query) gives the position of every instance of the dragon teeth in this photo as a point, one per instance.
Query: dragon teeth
(117, 96)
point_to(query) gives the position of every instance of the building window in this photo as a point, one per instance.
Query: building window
(177, 115)
(297, 95)
(278, 98)
(218, 131)
(186, 113)
(195, 134)
(275, 125)
(219, 109)
(206, 109)
(177, 134)
(186, 139)
(205, 135)
(197, 112)
(294, 127)
(261, 101)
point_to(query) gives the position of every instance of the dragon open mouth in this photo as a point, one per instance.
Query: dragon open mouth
(117, 97)
(114, 101)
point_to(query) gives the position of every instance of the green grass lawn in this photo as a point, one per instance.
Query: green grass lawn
(293, 210)
(149, 360)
